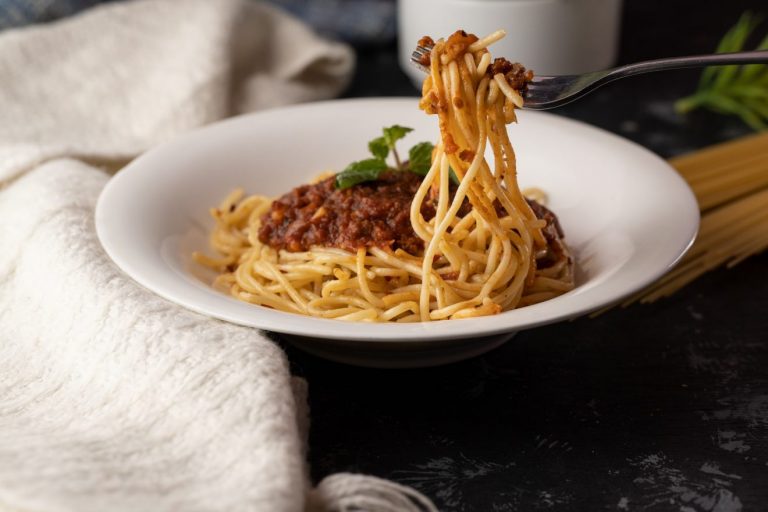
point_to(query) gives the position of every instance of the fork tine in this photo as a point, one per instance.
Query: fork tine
(415, 61)
(545, 92)
(417, 57)
(539, 93)
(539, 79)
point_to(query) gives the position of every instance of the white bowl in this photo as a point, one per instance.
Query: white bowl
(626, 213)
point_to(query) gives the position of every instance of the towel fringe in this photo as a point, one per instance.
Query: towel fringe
(348, 492)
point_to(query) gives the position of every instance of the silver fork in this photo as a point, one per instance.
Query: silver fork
(545, 92)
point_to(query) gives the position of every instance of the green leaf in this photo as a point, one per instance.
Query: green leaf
(763, 44)
(752, 119)
(736, 90)
(420, 158)
(751, 71)
(452, 176)
(739, 33)
(732, 41)
(379, 148)
(761, 108)
(395, 133)
(750, 91)
(359, 172)
(724, 104)
(725, 74)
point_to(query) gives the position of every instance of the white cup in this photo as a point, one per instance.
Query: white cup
(551, 37)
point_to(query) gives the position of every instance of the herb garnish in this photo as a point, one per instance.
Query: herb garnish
(358, 172)
(740, 90)
(420, 158)
(381, 146)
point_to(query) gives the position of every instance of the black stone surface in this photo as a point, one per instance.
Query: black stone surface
(660, 407)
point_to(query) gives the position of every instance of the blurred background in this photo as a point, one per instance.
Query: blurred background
(682, 25)
(549, 36)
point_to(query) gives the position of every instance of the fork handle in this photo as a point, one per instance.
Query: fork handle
(695, 61)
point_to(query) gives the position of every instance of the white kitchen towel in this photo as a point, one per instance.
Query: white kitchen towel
(117, 79)
(112, 399)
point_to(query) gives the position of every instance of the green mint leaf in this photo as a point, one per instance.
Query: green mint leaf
(452, 176)
(379, 148)
(359, 172)
(395, 133)
(420, 158)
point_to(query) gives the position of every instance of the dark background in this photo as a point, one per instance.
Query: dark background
(654, 407)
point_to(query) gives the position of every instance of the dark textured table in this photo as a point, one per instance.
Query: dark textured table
(654, 407)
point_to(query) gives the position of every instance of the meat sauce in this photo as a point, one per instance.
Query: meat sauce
(375, 213)
(370, 214)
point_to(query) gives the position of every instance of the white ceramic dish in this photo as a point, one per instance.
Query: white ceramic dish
(627, 215)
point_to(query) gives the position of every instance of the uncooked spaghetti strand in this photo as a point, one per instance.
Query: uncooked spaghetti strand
(718, 191)
(746, 220)
(721, 155)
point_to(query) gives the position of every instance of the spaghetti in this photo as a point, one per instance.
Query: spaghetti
(486, 249)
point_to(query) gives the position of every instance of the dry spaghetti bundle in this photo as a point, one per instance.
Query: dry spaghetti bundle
(484, 248)
(730, 181)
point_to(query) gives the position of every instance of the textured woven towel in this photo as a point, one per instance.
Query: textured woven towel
(112, 399)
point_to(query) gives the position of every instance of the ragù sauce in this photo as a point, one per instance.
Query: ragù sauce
(370, 214)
